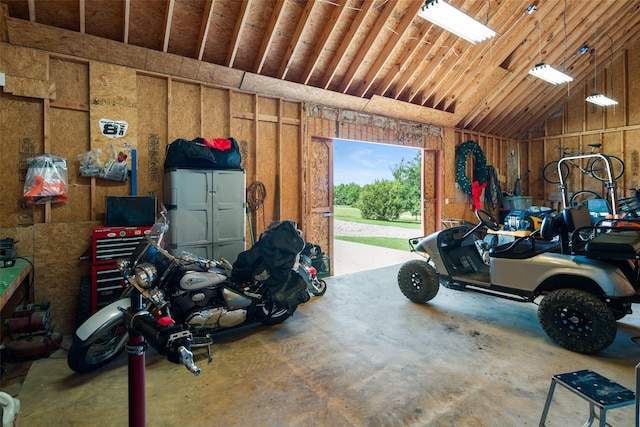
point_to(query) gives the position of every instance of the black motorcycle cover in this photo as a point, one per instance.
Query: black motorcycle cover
(275, 251)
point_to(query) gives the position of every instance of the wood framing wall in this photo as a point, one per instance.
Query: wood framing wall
(52, 101)
(63, 120)
(578, 124)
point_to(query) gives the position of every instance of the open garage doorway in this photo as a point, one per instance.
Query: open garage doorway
(372, 183)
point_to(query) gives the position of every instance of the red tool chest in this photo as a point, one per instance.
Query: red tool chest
(107, 245)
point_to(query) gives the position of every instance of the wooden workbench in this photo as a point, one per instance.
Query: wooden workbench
(11, 278)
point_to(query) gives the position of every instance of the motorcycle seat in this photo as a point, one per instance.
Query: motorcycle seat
(614, 245)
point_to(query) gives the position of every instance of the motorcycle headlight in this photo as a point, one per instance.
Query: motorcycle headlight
(146, 275)
(122, 265)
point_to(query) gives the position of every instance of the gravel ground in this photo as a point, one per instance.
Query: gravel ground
(347, 228)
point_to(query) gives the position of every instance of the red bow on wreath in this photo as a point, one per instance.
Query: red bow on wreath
(476, 192)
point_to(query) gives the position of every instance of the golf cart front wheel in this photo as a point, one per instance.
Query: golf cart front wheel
(577, 320)
(418, 281)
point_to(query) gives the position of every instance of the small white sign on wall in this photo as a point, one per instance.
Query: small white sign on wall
(112, 128)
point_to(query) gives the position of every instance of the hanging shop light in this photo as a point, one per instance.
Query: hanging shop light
(601, 100)
(459, 23)
(545, 71)
(548, 73)
(598, 98)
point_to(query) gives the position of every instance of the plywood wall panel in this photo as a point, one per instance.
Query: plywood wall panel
(184, 111)
(113, 96)
(152, 133)
(535, 163)
(58, 269)
(70, 138)
(268, 106)
(21, 130)
(71, 79)
(215, 113)
(29, 63)
(616, 117)
(633, 85)
(632, 160)
(268, 172)
(290, 170)
(554, 124)
(574, 112)
(243, 130)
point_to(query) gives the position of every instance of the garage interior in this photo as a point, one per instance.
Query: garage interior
(284, 78)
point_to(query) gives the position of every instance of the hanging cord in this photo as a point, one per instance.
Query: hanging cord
(493, 193)
(256, 193)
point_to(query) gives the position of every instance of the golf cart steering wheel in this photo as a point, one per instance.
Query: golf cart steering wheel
(487, 220)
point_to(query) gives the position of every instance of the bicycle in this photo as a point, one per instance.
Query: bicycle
(595, 167)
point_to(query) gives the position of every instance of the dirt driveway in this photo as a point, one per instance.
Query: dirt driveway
(349, 257)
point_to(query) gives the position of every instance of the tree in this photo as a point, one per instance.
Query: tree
(346, 194)
(408, 177)
(380, 200)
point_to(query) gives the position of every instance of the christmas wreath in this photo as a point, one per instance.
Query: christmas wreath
(479, 165)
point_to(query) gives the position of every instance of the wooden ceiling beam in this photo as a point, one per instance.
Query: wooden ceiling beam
(127, 19)
(445, 92)
(526, 58)
(168, 17)
(522, 92)
(31, 4)
(295, 39)
(456, 44)
(374, 33)
(403, 65)
(237, 33)
(336, 15)
(347, 39)
(269, 33)
(425, 52)
(395, 38)
(522, 120)
(204, 28)
(82, 13)
(523, 34)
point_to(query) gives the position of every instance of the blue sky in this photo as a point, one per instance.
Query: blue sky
(363, 163)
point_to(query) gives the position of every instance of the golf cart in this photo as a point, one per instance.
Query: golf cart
(584, 277)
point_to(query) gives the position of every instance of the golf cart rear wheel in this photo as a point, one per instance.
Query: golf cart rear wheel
(577, 320)
(418, 281)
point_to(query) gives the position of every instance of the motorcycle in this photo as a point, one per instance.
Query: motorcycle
(204, 296)
(316, 286)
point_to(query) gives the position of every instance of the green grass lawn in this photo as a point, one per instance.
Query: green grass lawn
(348, 213)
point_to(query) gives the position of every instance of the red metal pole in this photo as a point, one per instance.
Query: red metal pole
(136, 381)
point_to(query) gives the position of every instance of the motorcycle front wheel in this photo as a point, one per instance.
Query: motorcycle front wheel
(102, 346)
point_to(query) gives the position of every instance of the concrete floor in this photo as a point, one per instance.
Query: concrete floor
(361, 355)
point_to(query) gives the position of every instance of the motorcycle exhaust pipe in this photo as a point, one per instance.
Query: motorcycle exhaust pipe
(171, 340)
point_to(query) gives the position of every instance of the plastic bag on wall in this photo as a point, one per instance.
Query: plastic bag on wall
(115, 169)
(90, 163)
(46, 179)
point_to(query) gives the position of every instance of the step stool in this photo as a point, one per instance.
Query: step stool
(595, 389)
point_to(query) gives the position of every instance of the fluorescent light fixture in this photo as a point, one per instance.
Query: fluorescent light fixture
(455, 21)
(549, 74)
(601, 100)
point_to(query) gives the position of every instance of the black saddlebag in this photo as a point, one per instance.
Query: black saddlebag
(292, 293)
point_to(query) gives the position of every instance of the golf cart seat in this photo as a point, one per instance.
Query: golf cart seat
(614, 245)
(529, 246)
(578, 224)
